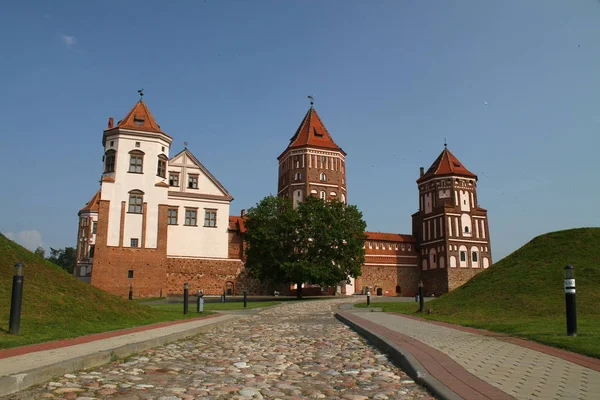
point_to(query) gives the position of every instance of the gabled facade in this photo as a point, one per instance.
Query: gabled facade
(312, 164)
(450, 227)
(86, 238)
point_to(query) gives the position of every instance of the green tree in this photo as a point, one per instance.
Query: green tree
(318, 242)
(40, 252)
(65, 258)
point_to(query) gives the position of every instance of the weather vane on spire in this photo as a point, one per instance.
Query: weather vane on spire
(445, 144)
(185, 144)
(141, 93)
(312, 100)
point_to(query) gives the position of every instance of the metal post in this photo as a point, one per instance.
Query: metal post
(421, 300)
(368, 299)
(130, 291)
(16, 300)
(245, 294)
(200, 304)
(570, 301)
(224, 296)
(185, 298)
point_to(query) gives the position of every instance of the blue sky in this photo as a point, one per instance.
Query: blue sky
(513, 86)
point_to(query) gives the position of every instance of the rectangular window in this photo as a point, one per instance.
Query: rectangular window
(109, 163)
(174, 180)
(135, 203)
(190, 217)
(130, 274)
(162, 168)
(136, 163)
(474, 256)
(370, 245)
(377, 245)
(134, 243)
(389, 246)
(210, 218)
(193, 181)
(463, 256)
(172, 216)
(94, 227)
(93, 249)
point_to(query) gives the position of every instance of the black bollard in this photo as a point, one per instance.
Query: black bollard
(245, 294)
(224, 297)
(16, 300)
(421, 300)
(570, 301)
(130, 292)
(185, 298)
(368, 299)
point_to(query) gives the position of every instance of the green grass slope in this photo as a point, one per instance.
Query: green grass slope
(57, 306)
(523, 294)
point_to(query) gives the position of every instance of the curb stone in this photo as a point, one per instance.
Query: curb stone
(18, 381)
(405, 360)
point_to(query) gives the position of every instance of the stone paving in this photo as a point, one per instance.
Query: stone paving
(293, 351)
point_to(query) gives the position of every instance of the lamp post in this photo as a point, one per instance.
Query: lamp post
(185, 297)
(421, 300)
(245, 295)
(16, 300)
(570, 301)
(130, 291)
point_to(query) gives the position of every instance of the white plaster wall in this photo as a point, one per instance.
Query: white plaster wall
(452, 262)
(465, 220)
(472, 201)
(486, 262)
(125, 182)
(464, 200)
(475, 264)
(199, 241)
(463, 264)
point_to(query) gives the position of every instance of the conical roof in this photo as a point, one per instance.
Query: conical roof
(92, 205)
(446, 164)
(312, 133)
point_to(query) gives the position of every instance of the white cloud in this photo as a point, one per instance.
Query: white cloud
(69, 41)
(28, 239)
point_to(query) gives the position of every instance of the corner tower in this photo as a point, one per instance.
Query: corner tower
(312, 164)
(450, 227)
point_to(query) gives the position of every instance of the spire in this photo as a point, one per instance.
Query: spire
(140, 119)
(312, 132)
(446, 164)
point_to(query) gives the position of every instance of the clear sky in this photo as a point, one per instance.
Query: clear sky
(513, 86)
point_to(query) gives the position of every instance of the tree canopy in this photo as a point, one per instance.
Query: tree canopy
(65, 258)
(318, 242)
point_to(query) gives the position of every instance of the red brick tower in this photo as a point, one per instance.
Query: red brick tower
(450, 228)
(312, 164)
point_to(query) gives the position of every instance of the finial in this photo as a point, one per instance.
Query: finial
(312, 100)
(445, 144)
(185, 144)
(141, 93)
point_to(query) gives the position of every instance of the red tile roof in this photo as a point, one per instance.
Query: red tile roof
(312, 132)
(390, 237)
(92, 205)
(446, 164)
(237, 224)
(140, 119)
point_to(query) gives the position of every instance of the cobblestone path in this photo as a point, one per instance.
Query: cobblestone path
(288, 352)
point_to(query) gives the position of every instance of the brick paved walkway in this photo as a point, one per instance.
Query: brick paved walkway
(469, 362)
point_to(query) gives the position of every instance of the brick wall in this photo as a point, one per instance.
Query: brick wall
(387, 278)
(458, 276)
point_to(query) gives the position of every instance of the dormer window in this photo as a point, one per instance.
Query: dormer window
(138, 121)
(317, 133)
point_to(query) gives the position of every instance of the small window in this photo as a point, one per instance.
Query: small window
(397, 246)
(174, 180)
(370, 245)
(134, 242)
(463, 256)
(474, 256)
(210, 218)
(137, 144)
(172, 216)
(323, 195)
(191, 217)
(466, 229)
(323, 177)
(138, 121)
(377, 245)
(407, 247)
(136, 163)
(389, 246)
(112, 143)
(193, 182)
(324, 160)
(94, 227)
(298, 176)
(434, 258)
(162, 148)
(135, 202)
(92, 251)
(130, 274)
(161, 169)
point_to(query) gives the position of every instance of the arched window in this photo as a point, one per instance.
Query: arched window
(162, 166)
(109, 161)
(466, 229)
(136, 161)
(298, 176)
(323, 177)
(323, 195)
(343, 198)
(474, 256)
(136, 200)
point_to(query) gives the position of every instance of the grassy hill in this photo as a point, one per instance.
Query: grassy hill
(523, 293)
(57, 306)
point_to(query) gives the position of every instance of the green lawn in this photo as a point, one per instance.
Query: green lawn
(523, 295)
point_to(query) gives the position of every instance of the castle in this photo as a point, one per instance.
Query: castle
(159, 221)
